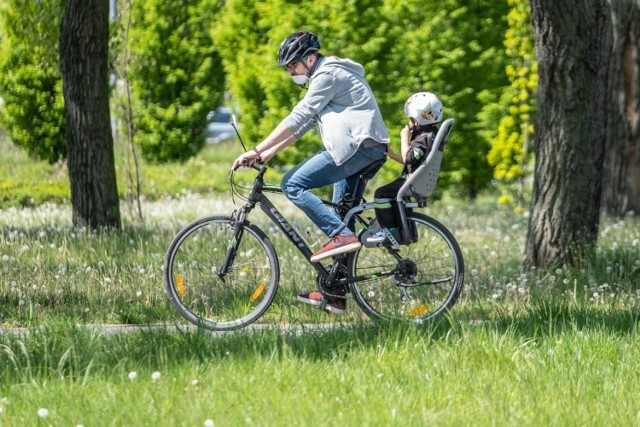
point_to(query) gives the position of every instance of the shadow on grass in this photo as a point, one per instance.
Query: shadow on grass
(71, 350)
(548, 318)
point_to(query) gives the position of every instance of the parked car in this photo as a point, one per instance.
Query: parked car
(219, 128)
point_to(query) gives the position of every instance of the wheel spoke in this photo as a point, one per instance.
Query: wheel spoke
(217, 302)
(427, 280)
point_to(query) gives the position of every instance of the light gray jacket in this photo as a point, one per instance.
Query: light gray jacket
(340, 100)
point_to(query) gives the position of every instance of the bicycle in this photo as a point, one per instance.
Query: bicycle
(222, 272)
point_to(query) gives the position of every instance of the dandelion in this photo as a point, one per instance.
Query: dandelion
(133, 375)
(43, 412)
(209, 423)
(155, 376)
(139, 294)
(194, 383)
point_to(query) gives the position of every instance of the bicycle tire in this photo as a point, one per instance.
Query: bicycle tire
(204, 298)
(426, 285)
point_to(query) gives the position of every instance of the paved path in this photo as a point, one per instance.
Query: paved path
(112, 329)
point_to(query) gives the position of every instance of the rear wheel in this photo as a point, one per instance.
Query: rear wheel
(211, 300)
(414, 283)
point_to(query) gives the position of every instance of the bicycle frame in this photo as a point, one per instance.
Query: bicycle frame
(256, 196)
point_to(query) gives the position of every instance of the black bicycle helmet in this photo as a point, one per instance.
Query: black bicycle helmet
(297, 46)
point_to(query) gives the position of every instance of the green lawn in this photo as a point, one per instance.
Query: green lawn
(555, 347)
(28, 182)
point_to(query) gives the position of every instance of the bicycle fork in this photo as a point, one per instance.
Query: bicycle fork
(237, 218)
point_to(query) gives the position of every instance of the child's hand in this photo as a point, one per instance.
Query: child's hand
(392, 154)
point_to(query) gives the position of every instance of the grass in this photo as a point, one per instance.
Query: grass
(551, 367)
(28, 182)
(556, 347)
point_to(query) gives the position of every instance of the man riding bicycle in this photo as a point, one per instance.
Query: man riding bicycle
(353, 133)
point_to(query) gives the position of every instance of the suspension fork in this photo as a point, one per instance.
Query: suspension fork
(237, 219)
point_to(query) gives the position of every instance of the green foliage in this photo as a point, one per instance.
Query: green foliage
(176, 74)
(449, 48)
(511, 148)
(30, 82)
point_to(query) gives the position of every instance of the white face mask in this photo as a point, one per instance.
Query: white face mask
(300, 79)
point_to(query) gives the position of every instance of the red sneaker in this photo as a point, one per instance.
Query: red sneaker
(338, 245)
(334, 305)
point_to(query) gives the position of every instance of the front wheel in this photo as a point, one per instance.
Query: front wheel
(414, 283)
(203, 295)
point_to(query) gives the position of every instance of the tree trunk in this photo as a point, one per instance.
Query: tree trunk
(84, 66)
(621, 180)
(573, 43)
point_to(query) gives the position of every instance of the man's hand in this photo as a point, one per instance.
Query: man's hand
(247, 159)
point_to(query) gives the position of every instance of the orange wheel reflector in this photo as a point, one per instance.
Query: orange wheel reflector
(180, 285)
(258, 292)
(419, 310)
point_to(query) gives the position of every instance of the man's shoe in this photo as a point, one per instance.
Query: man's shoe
(334, 305)
(338, 245)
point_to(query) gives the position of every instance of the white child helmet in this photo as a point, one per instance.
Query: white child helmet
(424, 107)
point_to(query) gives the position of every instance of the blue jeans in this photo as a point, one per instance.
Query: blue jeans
(320, 170)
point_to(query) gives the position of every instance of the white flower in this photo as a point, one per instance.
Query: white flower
(209, 423)
(133, 375)
(43, 412)
(194, 382)
(155, 376)
(139, 294)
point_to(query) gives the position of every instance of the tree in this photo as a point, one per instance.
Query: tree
(30, 84)
(511, 148)
(84, 39)
(573, 43)
(176, 75)
(451, 48)
(621, 185)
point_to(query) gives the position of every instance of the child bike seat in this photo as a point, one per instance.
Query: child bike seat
(422, 182)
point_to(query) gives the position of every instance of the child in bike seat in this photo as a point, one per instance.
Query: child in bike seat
(424, 110)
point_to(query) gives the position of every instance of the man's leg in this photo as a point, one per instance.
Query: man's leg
(320, 170)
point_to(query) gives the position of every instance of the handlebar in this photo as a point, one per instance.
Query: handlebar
(257, 165)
